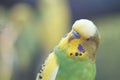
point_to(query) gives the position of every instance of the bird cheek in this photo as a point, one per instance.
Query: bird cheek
(81, 49)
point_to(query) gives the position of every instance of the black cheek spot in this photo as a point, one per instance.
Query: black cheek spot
(71, 54)
(80, 54)
(76, 54)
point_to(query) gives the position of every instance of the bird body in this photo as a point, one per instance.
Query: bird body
(74, 57)
(70, 69)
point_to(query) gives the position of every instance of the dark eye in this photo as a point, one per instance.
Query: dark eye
(88, 39)
(75, 33)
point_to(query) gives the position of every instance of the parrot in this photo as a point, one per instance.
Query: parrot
(74, 58)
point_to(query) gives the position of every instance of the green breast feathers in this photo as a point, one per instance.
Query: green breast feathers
(70, 69)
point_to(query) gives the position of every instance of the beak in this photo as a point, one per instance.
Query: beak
(72, 36)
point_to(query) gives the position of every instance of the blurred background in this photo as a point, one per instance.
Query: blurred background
(30, 29)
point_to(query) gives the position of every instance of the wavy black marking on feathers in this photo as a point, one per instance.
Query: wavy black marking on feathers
(42, 69)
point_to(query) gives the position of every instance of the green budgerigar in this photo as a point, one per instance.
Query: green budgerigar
(74, 57)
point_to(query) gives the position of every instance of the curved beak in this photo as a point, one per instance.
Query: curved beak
(72, 36)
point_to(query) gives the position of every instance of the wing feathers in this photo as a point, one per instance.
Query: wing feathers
(50, 69)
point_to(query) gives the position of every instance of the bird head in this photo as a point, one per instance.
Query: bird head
(82, 41)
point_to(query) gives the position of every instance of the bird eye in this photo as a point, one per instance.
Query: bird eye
(75, 33)
(88, 39)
